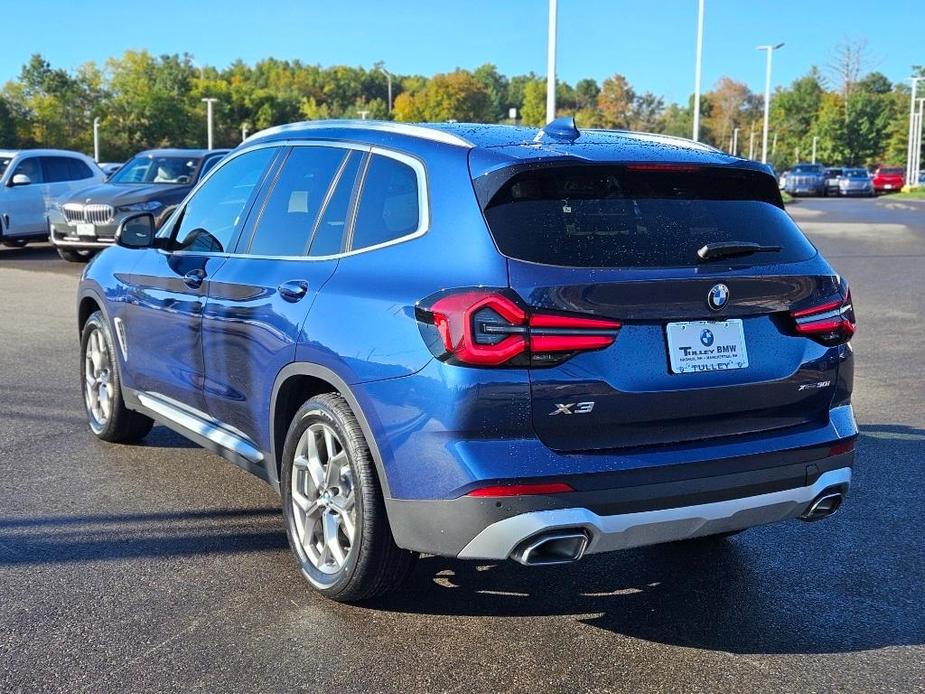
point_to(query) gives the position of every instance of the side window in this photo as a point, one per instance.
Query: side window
(58, 169)
(211, 216)
(208, 165)
(329, 232)
(79, 170)
(290, 212)
(389, 206)
(31, 167)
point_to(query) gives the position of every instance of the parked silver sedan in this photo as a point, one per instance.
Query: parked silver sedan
(856, 182)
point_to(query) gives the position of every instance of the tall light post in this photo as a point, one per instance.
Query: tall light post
(209, 101)
(551, 62)
(388, 77)
(96, 140)
(909, 150)
(735, 142)
(697, 66)
(815, 141)
(751, 143)
(243, 131)
(913, 181)
(767, 99)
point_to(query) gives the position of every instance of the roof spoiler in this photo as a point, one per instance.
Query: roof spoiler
(559, 130)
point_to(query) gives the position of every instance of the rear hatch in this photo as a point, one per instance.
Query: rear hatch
(707, 347)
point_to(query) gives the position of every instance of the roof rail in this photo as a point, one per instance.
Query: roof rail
(419, 131)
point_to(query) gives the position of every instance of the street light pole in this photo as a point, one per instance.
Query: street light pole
(243, 132)
(697, 65)
(96, 140)
(767, 99)
(917, 153)
(815, 141)
(388, 77)
(551, 62)
(735, 142)
(751, 143)
(909, 150)
(209, 101)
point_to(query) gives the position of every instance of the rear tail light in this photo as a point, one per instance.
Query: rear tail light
(484, 327)
(830, 322)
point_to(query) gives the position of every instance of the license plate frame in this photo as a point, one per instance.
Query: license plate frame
(84, 229)
(705, 346)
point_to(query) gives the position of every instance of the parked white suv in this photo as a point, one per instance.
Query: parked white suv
(30, 181)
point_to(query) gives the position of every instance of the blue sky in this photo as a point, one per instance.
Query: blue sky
(650, 41)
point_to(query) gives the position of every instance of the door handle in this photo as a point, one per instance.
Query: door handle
(193, 279)
(293, 290)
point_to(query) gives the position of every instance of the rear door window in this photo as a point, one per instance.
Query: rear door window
(58, 169)
(328, 238)
(389, 206)
(611, 216)
(295, 202)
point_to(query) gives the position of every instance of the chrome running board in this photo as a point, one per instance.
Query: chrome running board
(199, 427)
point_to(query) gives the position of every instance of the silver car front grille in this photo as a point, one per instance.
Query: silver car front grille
(94, 213)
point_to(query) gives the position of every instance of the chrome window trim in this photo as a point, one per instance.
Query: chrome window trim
(416, 165)
(418, 131)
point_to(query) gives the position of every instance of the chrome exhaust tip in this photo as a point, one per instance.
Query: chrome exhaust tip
(824, 506)
(556, 547)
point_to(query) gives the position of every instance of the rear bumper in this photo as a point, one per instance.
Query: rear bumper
(647, 507)
(607, 533)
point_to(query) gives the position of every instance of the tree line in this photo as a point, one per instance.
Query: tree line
(858, 117)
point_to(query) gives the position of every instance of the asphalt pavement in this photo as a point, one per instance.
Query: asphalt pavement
(160, 567)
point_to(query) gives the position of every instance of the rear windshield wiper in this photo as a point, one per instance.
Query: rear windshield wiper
(731, 249)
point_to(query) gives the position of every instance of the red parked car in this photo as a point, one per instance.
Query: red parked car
(889, 178)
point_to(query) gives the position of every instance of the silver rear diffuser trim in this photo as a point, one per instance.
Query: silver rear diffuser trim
(501, 540)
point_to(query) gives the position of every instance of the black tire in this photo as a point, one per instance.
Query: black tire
(375, 565)
(72, 256)
(12, 243)
(122, 425)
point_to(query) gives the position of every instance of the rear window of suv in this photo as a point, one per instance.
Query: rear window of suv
(626, 216)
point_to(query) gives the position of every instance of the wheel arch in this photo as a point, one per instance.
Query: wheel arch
(296, 383)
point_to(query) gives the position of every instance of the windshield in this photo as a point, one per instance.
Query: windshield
(808, 168)
(175, 170)
(856, 173)
(620, 217)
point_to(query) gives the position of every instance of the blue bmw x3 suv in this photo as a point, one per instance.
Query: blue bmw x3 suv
(483, 342)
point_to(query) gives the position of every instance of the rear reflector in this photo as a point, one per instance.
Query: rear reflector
(842, 447)
(522, 489)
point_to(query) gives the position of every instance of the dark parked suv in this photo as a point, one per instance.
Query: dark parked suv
(807, 179)
(483, 342)
(154, 181)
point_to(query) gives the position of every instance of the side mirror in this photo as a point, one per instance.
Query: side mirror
(136, 231)
(21, 180)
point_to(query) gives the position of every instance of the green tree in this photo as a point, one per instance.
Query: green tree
(533, 109)
(615, 102)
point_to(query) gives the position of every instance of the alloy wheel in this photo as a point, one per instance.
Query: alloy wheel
(322, 499)
(98, 387)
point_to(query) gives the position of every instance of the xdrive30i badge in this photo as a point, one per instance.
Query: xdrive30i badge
(718, 296)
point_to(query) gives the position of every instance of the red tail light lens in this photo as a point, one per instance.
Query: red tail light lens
(522, 489)
(830, 322)
(482, 327)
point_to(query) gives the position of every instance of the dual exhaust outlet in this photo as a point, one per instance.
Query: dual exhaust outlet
(569, 544)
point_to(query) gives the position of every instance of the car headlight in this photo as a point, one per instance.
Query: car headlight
(150, 206)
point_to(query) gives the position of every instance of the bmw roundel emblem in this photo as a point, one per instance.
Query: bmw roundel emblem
(718, 296)
(706, 337)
